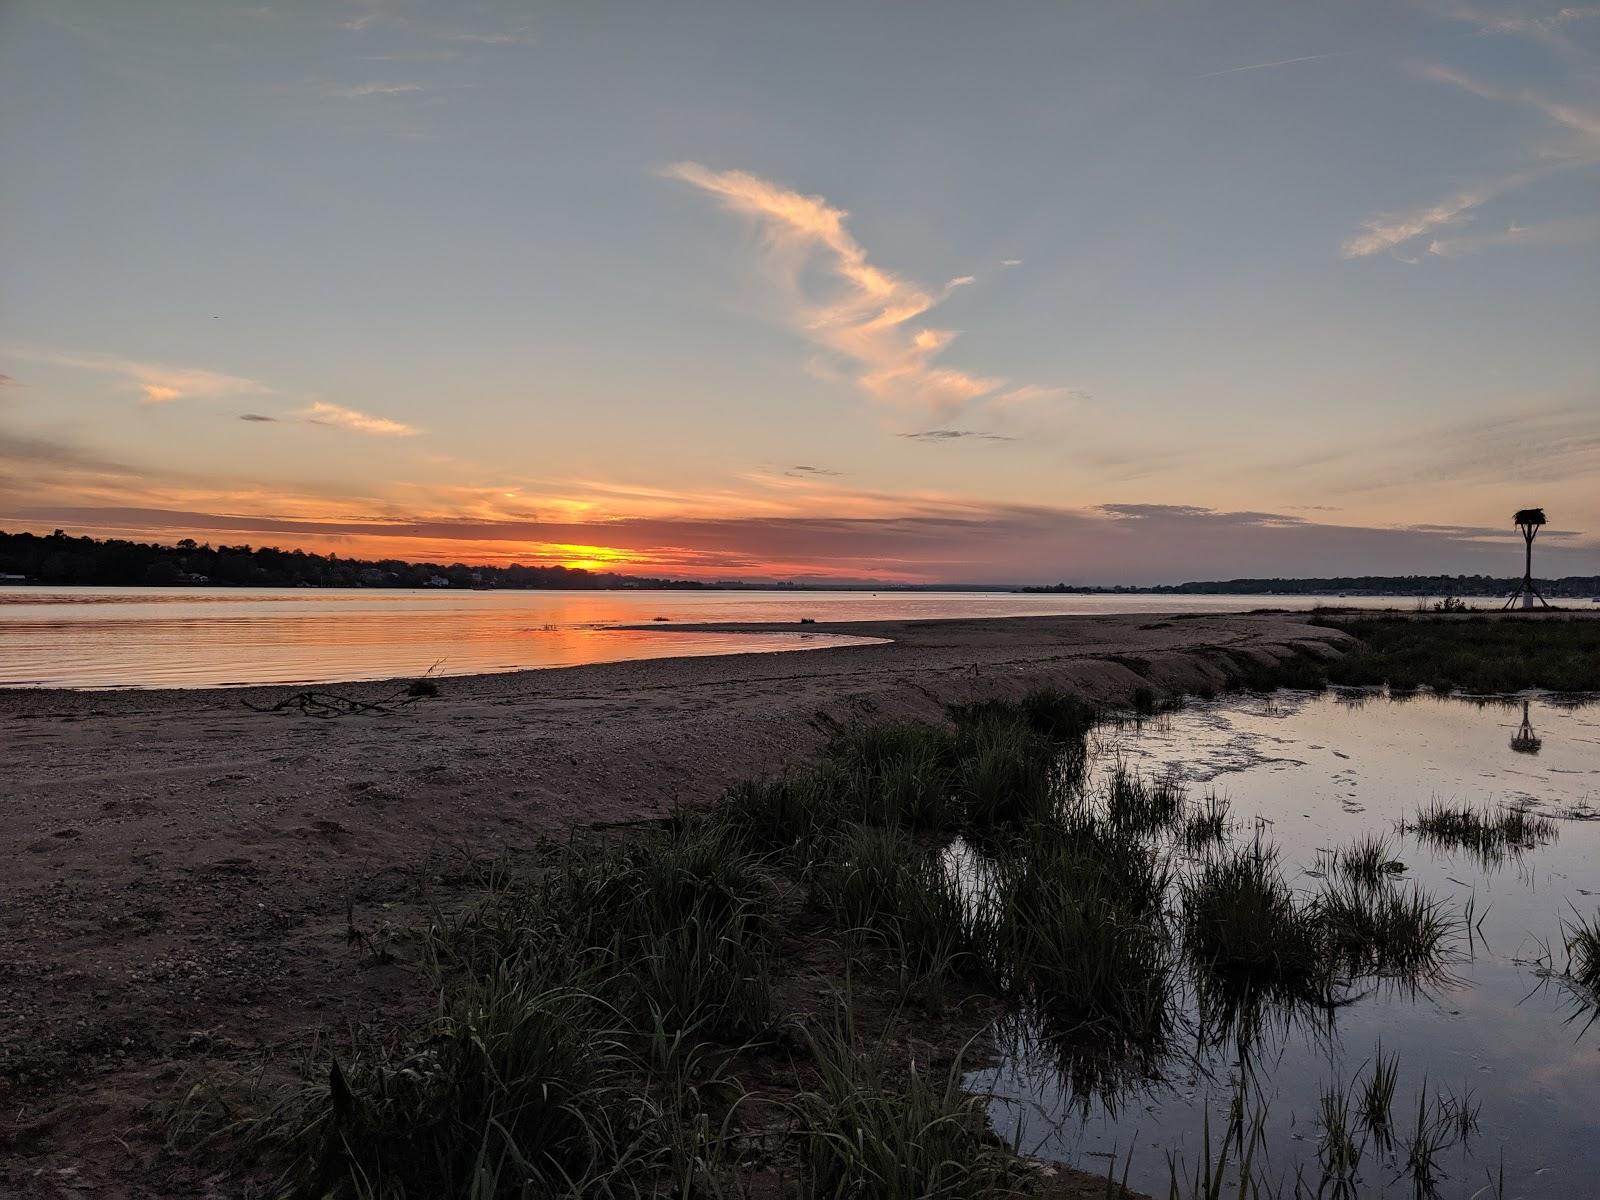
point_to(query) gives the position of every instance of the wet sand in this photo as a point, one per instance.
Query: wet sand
(182, 872)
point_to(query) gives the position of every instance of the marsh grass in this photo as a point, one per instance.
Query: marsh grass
(1230, 1169)
(1008, 774)
(1301, 670)
(1079, 931)
(519, 1077)
(1368, 861)
(1243, 922)
(1142, 805)
(1339, 1146)
(898, 773)
(871, 1128)
(1206, 825)
(785, 815)
(1471, 654)
(1489, 834)
(1581, 938)
(1375, 1106)
(1384, 931)
(880, 883)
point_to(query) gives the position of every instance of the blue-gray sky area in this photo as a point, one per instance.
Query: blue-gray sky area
(1095, 292)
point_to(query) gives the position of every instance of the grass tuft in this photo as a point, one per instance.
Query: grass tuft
(1368, 861)
(1384, 931)
(1206, 825)
(913, 1135)
(1242, 921)
(1582, 940)
(1491, 835)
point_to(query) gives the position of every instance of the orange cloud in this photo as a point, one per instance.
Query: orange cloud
(157, 382)
(320, 412)
(866, 317)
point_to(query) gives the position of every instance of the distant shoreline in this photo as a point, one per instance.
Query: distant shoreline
(1578, 587)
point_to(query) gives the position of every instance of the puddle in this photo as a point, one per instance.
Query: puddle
(1313, 773)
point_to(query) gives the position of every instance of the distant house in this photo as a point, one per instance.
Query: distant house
(193, 578)
(13, 579)
(437, 581)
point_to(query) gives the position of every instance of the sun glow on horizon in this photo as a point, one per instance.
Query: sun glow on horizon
(590, 558)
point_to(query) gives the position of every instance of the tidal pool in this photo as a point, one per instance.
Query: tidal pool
(1497, 1032)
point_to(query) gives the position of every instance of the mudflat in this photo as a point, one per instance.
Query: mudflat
(188, 878)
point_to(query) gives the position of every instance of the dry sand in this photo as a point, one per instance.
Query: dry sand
(179, 869)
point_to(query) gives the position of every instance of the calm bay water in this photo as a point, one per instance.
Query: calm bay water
(1314, 773)
(171, 637)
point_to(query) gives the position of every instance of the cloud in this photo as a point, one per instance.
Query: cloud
(378, 13)
(31, 453)
(800, 471)
(951, 435)
(951, 541)
(157, 382)
(1010, 262)
(360, 91)
(1581, 125)
(1579, 120)
(1549, 30)
(866, 317)
(1388, 230)
(1564, 231)
(517, 38)
(257, 417)
(320, 412)
(1197, 513)
(1556, 448)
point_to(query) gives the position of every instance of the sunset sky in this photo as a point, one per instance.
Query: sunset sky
(1005, 292)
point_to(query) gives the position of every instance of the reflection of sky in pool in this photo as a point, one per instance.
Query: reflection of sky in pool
(1318, 771)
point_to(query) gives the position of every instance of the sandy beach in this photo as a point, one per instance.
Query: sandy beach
(183, 872)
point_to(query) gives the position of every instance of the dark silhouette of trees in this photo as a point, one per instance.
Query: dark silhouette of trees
(60, 559)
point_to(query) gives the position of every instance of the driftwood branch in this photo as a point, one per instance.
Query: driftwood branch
(328, 705)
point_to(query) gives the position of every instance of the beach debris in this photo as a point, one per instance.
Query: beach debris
(328, 705)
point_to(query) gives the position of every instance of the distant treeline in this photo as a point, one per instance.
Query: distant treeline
(60, 559)
(1381, 585)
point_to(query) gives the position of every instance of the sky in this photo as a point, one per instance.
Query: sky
(1014, 292)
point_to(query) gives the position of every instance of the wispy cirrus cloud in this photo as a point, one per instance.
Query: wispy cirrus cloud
(1577, 146)
(1563, 231)
(1386, 231)
(1549, 28)
(361, 91)
(867, 317)
(409, 19)
(158, 383)
(1573, 117)
(320, 412)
